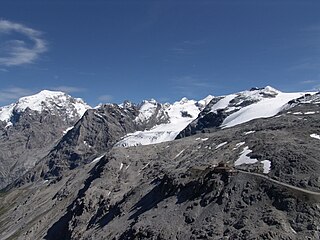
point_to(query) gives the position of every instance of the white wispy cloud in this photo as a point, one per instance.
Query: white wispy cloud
(309, 81)
(105, 98)
(10, 95)
(310, 85)
(189, 47)
(307, 41)
(316, 88)
(189, 85)
(312, 28)
(306, 65)
(86, 73)
(18, 52)
(68, 89)
(196, 42)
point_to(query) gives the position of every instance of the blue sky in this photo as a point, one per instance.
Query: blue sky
(109, 51)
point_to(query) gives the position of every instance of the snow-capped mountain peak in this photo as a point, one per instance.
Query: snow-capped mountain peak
(147, 109)
(126, 104)
(234, 102)
(259, 93)
(183, 100)
(204, 102)
(182, 109)
(55, 102)
(39, 101)
(271, 89)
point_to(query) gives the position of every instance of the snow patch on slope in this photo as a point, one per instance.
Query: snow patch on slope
(244, 159)
(97, 159)
(316, 136)
(266, 166)
(68, 129)
(238, 145)
(221, 144)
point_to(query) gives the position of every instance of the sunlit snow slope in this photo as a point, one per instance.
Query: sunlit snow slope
(263, 108)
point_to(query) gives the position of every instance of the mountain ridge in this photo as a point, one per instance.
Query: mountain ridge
(149, 122)
(179, 190)
(31, 127)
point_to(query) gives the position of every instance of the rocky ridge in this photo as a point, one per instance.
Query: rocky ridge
(31, 127)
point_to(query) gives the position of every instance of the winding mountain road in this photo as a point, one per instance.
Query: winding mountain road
(301, 190)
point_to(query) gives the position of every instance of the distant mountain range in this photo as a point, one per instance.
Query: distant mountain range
(51, 124)
(90, 163)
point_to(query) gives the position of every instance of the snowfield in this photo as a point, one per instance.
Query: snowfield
(264, 108)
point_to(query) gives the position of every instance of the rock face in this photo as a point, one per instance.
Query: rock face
(31, 127)
(96, 132)
(190, 188)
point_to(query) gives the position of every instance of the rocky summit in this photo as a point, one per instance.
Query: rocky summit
(31, 127)
(240, 166)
